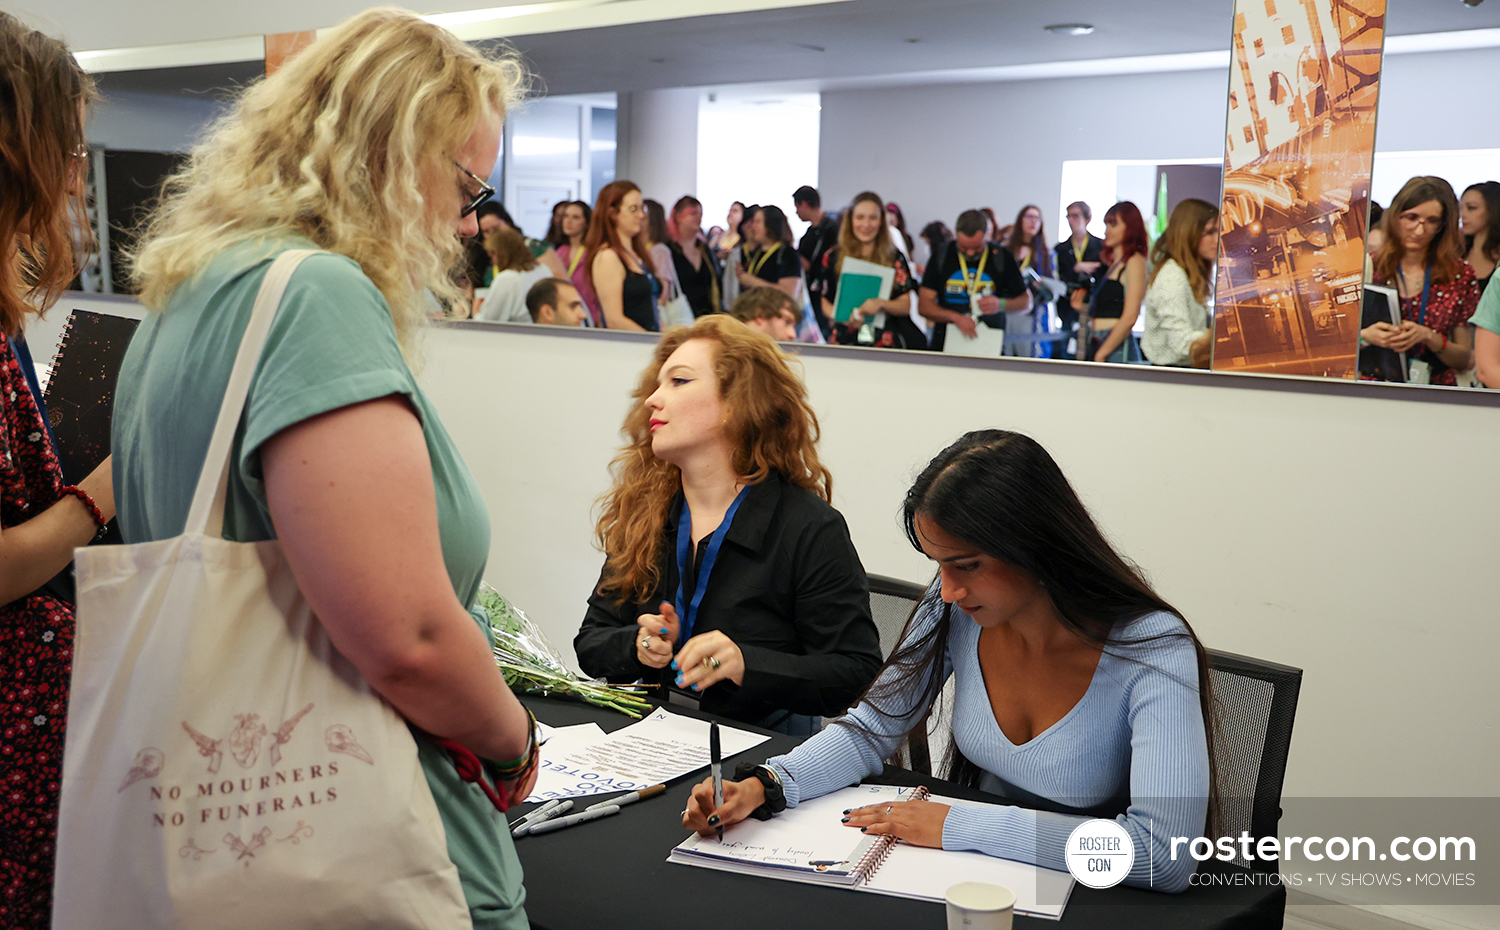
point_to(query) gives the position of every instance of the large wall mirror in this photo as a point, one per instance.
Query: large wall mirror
(937, 106)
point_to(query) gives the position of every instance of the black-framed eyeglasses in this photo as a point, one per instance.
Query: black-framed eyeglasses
(485, 192)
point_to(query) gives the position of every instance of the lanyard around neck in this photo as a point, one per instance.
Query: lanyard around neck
(1426, 287)
(575, 255)
(687, 611)
(1078, 250)
(757, 265)
(963, 269)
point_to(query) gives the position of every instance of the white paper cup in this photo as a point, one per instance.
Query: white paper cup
(980, 906)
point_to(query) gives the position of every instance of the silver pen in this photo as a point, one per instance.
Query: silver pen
(547, 811)
(558, 823)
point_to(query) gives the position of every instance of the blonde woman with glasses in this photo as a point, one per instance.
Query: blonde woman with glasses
(369, 145)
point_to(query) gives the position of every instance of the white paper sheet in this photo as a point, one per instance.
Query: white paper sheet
(658, 748)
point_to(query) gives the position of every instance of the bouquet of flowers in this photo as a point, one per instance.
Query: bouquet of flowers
(531, 665)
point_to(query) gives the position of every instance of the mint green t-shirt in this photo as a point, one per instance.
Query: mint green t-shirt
(333, 344)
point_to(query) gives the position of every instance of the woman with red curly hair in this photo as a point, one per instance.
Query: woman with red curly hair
(727, 577)
(1116, 301)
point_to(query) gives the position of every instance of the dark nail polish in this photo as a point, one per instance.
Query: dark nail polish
(864, 829)
(844, 820)
(713, 821)
(848, 811)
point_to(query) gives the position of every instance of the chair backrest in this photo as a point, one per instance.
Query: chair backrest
(1255, 704)
(892, 602)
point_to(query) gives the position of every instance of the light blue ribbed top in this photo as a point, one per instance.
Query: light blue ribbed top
(1134, 743)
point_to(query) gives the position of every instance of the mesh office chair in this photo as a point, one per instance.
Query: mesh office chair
(1256, 702)
(892, 603)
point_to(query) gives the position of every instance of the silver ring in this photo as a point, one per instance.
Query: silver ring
(646, 643)
(887, 808)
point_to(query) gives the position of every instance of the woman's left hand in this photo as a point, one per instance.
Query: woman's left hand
(919, 823)
(708, 659)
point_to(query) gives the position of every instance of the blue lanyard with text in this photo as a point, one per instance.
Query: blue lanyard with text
(687, 612)
(1426, 286)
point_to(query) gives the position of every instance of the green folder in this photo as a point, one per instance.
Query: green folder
(854, 289)
(858, 282)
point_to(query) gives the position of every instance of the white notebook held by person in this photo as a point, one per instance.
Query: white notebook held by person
(808, 843)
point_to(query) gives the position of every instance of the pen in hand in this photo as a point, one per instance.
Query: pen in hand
(718, 774)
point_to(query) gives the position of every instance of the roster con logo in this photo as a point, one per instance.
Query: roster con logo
(1099, 853)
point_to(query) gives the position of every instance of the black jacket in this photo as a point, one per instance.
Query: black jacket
(788, 589)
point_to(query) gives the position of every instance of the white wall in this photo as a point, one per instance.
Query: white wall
(938, 150)
(658, 142)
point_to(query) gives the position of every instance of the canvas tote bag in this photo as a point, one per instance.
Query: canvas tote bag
(225, 767)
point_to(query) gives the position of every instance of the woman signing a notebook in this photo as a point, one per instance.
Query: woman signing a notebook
(727, 577)
(1078, 692)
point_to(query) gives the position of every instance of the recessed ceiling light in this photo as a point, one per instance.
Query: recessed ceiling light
(1070, 29)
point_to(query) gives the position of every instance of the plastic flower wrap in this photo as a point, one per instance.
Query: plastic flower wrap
(532, 665)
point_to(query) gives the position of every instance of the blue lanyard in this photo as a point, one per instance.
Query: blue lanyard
(1426, 286)
(688, 612)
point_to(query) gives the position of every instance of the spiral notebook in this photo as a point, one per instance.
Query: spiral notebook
(810, 844)
(80, 392)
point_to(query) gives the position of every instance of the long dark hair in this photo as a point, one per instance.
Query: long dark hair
(1490, 191)
(1003, 494)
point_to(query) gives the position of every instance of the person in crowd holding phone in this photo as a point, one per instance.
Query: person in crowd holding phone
(732, 237)
(696, 265)
(572, 229)
(1078, 260)
(771, 260)
(1078, 691)
(619, 263)
(1115, 304)
(973, 283)
(1178, 327)
(1422, 257)
(1479, 221)
(341, 455)
(44, 160)
(1028, 243)
(865, 235)
(727, 577)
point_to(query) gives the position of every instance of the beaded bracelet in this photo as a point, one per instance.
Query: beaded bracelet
(517, 767)
(88, 502)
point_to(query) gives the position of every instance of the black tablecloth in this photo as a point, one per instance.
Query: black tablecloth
(613, 874)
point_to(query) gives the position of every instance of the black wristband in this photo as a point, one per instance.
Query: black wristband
(775, 801)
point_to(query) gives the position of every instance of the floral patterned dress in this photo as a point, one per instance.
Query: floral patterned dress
(36, 657)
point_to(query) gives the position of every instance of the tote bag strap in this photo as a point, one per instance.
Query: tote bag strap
(206, 516)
